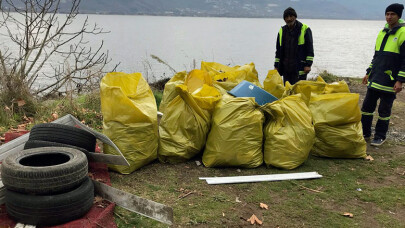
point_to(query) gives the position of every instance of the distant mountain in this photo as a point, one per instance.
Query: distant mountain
(327, 9)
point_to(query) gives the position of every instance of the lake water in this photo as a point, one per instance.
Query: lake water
(342, 47)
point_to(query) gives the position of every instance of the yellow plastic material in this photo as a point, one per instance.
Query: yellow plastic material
(169, 93)
(289, 133)
(225, 78)
(185, 125)
(196, 79)
(337, 125)
(335, 109)
(274, 84)
(319, 87)
(130, 119)
(337, 87)
(315, 86)
(236, 135)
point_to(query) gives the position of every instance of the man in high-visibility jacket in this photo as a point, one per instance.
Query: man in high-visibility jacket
(294, 49)
(385, 75)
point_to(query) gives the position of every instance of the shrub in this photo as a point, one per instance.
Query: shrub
(329, 77)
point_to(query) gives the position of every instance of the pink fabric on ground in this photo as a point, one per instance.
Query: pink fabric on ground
(8, 136)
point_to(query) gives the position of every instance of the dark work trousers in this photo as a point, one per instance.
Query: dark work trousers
(384, 112)
(293, 77)
(302, 77)
(290, 52)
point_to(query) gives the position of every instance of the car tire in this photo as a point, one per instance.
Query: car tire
(44, 170)
(50, 209)
(59, 133)
(30, 144)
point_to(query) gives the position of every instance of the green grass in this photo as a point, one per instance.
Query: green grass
(329, 78)
(369, 190)
(386, 219)
(158, 97)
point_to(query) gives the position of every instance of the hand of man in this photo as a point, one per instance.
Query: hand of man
(398, 87)
(365, 80)
(307, 69)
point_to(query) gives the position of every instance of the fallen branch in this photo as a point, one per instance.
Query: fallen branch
(309, 189)
(185, 195)
(303, 187)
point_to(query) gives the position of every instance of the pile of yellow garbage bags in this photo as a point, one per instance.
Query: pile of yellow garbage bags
(201, 119)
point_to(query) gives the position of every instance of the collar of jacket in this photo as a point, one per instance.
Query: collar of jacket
(297, 25)
(394, 30)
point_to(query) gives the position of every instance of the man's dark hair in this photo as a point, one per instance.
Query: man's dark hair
(289, 12)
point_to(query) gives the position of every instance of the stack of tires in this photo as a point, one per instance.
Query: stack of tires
(47, 183)
(52, 134)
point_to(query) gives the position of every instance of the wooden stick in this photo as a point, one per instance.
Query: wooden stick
(309, 189)
(185, 195)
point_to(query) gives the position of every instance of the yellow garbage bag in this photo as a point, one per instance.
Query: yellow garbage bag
(225, 78)
(169, 93)
(214, 68)
(236, 135)
(338, 129)
(317, 87)
(274, 84)
(289, 133)
(129, 119)
(335, 109)
(334, 87)
(196, 79)
(320, 86)
(337, 87)
(185, 125)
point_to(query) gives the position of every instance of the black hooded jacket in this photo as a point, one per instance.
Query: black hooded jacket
(305, 49)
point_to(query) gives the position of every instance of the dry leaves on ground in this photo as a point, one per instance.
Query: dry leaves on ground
(347, 214)
(369, 158)
(54, 116)
(254, 220)
(100, 202)
(20, 103)
(28, 120)
(98, 199)
(264, 206)
(22, 127)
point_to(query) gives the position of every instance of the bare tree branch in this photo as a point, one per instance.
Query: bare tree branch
(44, 38)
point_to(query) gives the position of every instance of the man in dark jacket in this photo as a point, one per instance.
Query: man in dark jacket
(385, 75)
(294, 52)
